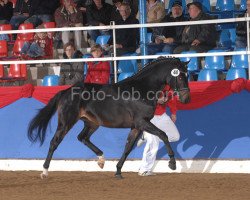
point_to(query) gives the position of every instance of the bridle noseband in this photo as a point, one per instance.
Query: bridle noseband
(175, 74)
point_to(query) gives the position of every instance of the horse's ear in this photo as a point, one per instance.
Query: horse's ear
(186, 63)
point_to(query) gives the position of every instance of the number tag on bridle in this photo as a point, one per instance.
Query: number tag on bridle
(175, 72)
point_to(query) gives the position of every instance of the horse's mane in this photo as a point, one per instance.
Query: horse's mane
(149, 67)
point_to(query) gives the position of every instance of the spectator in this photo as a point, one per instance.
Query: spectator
(98, 14)
(71, 73)
(200, 37)
(42, 11)
(21, 13)
(41, 46)
(241, 34)
(155, 11)
(68, 15)
(166, 38)
(163, 122)
(6, 11)
(126, 39)
(115, 15)
(82, 6)
(98, 72)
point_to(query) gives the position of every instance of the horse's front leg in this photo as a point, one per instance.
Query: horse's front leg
(84, 137)
(151, 128)
(132, 137)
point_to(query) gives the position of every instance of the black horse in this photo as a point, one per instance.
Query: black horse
(126, 104)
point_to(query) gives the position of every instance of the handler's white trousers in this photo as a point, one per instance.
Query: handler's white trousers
(164, 123)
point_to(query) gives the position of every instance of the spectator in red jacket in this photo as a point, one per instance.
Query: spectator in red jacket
(98, 72)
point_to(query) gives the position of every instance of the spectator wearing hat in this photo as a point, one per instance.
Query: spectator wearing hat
(167, 38)
(200, 37)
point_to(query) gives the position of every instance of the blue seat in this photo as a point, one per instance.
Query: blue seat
(208, 75)
(234, 73)
(124, 75)
(128, 65)
(87, 55)
(232, 32)
(193, 65)
(215, 62)
(225, 5)
(243, 5)
(239, 61)
(50, 80)
(226, 15)
(224, 41)
(149, 38)
(102, 39)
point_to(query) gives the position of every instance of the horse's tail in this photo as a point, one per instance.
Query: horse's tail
(41, 120)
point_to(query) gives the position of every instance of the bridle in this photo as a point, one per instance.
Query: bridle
(175, 73)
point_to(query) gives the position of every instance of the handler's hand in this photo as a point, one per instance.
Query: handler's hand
(173, 117)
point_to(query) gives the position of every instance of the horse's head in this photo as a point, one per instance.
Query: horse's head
(179, 81)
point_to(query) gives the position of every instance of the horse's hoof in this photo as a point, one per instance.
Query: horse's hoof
(101, 162)
(43, 176)
(118, 176)
(172, 165)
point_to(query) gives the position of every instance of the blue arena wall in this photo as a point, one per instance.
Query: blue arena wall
(217, 131)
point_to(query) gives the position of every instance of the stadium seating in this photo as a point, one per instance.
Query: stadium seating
(215, 62)
(208, 75)
(124, 75)
(25, 36)
(102, 39)
(224, 41)
(243, 5)
(149, 38)
(3, 48)
(239, 61)
(128, 65)
(17, 73)
(18, 47)
(234, 73)
(1, 71)
(193, 65)
(225, 5)
(6, 27)
(50, 80)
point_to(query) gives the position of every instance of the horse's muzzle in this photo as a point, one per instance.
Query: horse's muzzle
(184, 96)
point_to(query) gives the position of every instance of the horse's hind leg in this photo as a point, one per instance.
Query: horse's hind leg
(132, 138)
(151, 128)
(56, 140)
(84, 136)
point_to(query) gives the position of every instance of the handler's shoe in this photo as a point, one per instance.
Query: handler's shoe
(146, 173)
